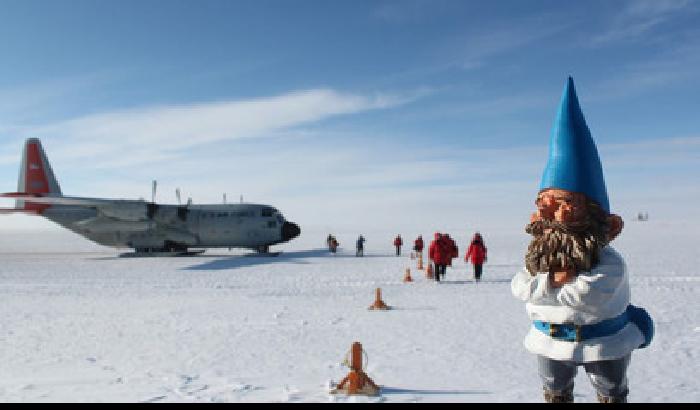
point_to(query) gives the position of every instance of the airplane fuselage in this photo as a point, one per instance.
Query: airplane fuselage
(248, 226)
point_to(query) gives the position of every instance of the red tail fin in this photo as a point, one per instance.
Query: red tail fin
(36, 176)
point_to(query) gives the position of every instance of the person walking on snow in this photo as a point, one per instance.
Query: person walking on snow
(334, 245)
(452, 248)
(360, 251)
(574, 284)
(418, 247)
(477, 254)
(398, 242)
(439, 253)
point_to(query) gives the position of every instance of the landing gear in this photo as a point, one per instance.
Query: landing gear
(263, 251)
(151, 252)
(169, 248)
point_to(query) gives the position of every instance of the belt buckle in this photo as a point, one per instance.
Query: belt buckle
(553, 329)
(554, 332)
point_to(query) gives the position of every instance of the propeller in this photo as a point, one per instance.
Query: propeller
(152, 207)
(153, 191)
(182, 211)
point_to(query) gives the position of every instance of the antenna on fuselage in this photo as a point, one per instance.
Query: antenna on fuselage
(153, 191)
(177, 195)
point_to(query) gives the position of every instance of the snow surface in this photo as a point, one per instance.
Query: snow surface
(78, 324)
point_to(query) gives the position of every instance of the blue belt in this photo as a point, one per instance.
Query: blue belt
(577, 333)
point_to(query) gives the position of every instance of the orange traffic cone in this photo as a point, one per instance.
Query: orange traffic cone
(356, 382)
(429, 271)
(407, 277)
(378, 302)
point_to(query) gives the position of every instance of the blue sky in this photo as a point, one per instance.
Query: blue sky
(350, 114)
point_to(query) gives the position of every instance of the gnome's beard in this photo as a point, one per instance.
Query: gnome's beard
(563, 246)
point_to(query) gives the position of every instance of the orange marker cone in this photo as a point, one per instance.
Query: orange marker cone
(356, 382)
(407, 277)
(429, 272)
(378, 302)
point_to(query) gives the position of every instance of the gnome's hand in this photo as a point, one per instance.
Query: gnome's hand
(559, 279)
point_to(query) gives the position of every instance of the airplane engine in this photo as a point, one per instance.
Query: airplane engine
(129, 212)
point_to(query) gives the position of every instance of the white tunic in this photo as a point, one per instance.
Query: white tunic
(603, 293)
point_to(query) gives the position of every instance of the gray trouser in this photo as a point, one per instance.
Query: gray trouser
(608, 377)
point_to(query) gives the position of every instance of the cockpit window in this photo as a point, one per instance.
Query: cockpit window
(267, 212)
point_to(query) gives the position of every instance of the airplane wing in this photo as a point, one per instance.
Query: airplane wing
(59, 200)
(117, 209)
(17, 211)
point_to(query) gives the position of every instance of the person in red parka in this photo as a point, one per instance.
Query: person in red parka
(398, 242)
(452, 249)
(477, 253)
(440, 252)
(418, 247)
(434, 256)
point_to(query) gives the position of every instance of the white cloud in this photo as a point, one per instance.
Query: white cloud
(655, 154)
(673, 66)
(314, 174)
(477, 47)
(135, 136)
(639, 18)
(655, 7)
(45, 98)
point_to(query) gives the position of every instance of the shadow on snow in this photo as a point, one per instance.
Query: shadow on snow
(254, 259)
(473, 282)
(394, 390)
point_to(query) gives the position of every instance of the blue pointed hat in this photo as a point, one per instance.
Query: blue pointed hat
(574, 164)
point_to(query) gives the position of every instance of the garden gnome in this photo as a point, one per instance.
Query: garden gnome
(574, 284)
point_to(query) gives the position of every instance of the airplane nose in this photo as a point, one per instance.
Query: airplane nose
(290, 231)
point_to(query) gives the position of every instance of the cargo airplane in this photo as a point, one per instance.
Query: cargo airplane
(149, 228)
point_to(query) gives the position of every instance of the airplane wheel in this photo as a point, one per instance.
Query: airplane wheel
(263, 249)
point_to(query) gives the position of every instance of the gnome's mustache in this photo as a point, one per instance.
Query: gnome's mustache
(558, 246)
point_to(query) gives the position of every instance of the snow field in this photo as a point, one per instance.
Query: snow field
(80, 325)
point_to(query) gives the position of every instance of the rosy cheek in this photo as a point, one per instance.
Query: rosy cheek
(547, 211)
